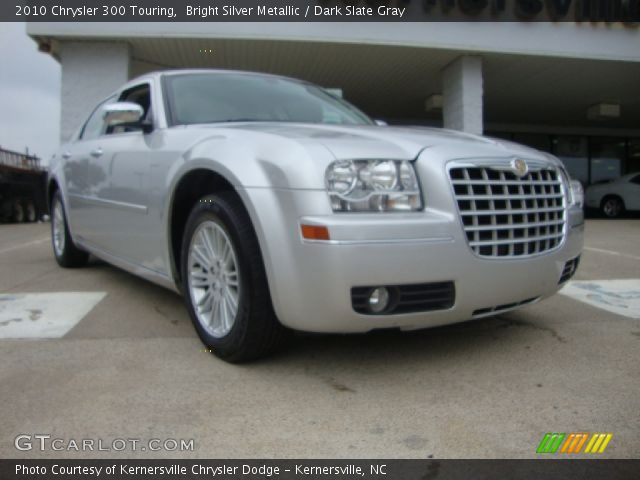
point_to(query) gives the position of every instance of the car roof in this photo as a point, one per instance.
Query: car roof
(182, 71)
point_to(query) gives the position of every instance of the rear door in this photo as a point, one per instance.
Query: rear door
(76, 157)
(631, 193)
(119, 171)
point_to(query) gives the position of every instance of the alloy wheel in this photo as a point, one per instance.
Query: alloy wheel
(213, 278)
(612, 207)
(58, 229)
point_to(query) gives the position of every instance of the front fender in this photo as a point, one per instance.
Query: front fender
(257, 160)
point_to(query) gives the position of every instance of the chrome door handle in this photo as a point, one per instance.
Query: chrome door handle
(97, 152)
(66, 155)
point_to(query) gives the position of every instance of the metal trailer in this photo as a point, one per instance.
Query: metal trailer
(22, 187)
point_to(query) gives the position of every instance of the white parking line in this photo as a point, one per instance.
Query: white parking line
(611, 252)
(618, 296)
(24, 245)
(44, 315)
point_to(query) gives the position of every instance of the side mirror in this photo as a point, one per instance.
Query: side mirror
(122, 113)
(125, 114)
(381, 123)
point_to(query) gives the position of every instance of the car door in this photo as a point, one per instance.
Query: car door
(119, 170)
(631, 193)
(76, 160)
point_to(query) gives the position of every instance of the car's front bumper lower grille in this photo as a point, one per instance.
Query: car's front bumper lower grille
(569, 270)
(415, 298)
(509, 216)
(498, 309)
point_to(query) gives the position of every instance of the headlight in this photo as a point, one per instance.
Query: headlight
(574, 189)
(577, 193)
(373, 185)
(342, 178)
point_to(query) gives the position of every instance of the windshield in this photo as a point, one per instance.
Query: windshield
(237, 97)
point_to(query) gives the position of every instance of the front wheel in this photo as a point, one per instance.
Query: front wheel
(66, 253)
(612, 207)
(224, 282)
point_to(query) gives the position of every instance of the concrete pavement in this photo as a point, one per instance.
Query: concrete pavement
(133, 367)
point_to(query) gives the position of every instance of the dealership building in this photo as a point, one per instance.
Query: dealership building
(570, 88)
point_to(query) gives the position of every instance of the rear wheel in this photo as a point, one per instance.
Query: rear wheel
(66, 253)
(224, 282)
(612, 207)
(18, 212)
(30, 211)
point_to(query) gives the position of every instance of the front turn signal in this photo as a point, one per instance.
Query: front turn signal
(315, 232)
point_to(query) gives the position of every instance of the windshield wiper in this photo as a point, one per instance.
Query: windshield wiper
(249, 120)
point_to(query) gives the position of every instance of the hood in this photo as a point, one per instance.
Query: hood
(372, 141)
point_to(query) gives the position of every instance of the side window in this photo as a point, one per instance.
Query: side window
(140, 94)
(94, 126)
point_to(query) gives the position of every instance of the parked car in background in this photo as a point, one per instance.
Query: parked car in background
(273, 206)
(614, 197)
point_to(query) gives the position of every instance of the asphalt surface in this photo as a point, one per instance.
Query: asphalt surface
(134, 368)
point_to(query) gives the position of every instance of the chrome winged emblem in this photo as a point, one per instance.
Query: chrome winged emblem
(520, 167)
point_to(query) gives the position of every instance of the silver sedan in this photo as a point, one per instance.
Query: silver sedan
(274, 206)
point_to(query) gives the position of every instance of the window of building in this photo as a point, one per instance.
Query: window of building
(607, 158)
(574, 152)
(534, 140)
(633, 159)
(501, 135)
(588, 159)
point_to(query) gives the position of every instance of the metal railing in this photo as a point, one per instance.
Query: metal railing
(19, 160)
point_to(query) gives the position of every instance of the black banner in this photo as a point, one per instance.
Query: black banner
(543, 469)
(593, 11)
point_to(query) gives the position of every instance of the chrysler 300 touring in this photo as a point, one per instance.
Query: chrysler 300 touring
(272, 206)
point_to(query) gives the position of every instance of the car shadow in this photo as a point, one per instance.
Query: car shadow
(592, 213)
(459, 343)
(379, 347)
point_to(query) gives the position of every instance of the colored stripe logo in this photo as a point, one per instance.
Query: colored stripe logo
(550, 442)
(574, 443)
(598, 443)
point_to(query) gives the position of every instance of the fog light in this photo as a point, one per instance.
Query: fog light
(378, 300)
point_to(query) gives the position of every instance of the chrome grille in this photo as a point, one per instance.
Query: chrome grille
(509, 216)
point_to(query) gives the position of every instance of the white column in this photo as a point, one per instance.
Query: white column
(462, 94)
(90, 72)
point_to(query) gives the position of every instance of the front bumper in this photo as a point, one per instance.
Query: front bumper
(311, 282)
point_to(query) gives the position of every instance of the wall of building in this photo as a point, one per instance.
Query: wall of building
(90, 72)
(98, 58)
(559, 39)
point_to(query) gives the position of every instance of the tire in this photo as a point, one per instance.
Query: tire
(18, 212)
(612, 206)
(222, 268)
(6, 211)
(64, 250)
(30, 211)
